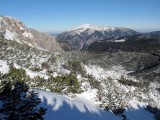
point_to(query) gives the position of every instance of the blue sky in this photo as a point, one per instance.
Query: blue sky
(58, 15)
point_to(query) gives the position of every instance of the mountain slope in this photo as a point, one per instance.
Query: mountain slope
(100, 81)
(148, 42)
(61, 107)
(82, 36)
(14, 29)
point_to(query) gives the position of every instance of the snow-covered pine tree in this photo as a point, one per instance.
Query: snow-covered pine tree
(19, 103)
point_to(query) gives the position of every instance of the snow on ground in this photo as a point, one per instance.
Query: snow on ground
(21, 28)
(122, 40)
(136, 104)
(90, 95)
(33, 74)
(4, 68)
(99, 73)
(9, 35)
(61, 107)
(139, 114)
(154, 94)
(60, 69)
(27, 34)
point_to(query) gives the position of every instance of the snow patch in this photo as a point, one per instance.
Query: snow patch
(21, 28)
(9, 35)
(99, 73)
(136, 104)
(122, 40)
(94, 27)
(89, 96)
(4, 68)
(33, 74)
(28, 35)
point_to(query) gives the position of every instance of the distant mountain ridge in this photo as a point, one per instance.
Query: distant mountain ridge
(13, 29)
(82, 36)
(147, 42)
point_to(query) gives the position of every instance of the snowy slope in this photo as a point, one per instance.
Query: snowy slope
(61, 107)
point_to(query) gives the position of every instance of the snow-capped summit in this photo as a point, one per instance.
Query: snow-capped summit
(86, 26)
(94, 27)
(82, 36)
(13, 29)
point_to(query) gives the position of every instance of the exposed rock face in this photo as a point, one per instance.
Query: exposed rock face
(14, 29)
(81, 37)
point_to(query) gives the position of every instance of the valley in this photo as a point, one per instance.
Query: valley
(91, 76)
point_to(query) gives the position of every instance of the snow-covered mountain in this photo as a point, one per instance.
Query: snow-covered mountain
(82, 36)
(13, 29)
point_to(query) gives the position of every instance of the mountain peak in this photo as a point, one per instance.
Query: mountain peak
(90, 26)
(94, 27)
(86, 26)
(14, 29)
(9, 18)
(82, 36)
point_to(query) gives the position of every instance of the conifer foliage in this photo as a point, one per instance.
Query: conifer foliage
(18, 103)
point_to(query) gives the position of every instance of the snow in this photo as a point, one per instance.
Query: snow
(33, 74)
(79, 76)
(27, 34)
(86, 26)
(94, 27)
(99, 73)
(9, 35)
(122, 40)
(55, 74)
(21, 28)
(154, 94)
(61, 107)
(136, 104)
(89, 95)
(139, 114)
(4, 68)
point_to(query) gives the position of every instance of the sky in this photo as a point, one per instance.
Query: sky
(55, 16)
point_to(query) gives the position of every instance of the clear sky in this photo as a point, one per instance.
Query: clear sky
(58, 15)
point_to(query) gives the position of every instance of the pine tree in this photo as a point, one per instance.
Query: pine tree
(19, 103)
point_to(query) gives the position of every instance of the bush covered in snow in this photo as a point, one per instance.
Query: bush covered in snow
(18, 103)
(64, 84)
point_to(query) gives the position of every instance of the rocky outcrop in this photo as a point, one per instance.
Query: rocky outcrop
(14, 29)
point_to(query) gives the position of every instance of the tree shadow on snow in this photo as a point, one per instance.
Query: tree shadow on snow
(73, 112)
(61, 109)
